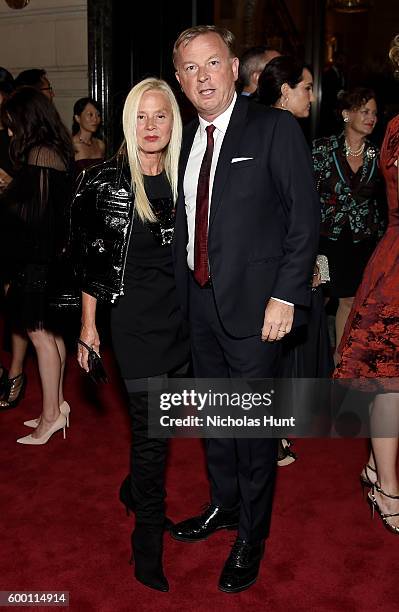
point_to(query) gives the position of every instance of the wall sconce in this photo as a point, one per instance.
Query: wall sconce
(350, 6)
(17, 4)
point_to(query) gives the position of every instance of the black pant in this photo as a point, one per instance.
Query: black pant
(147, 455)
(241, 471)
(147, 459)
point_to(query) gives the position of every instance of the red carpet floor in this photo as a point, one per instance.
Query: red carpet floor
(63, 528)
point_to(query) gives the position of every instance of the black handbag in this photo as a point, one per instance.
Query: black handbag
(96, 367)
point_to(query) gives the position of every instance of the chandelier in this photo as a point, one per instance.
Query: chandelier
(350, 6)
(17, 4)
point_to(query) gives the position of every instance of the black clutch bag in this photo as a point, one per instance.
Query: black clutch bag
(96, 367)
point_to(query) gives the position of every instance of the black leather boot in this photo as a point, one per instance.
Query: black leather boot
(147, 549)
(126, 498)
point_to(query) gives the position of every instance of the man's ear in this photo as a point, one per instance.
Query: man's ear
(255, 77)
(177, 77)
(235, 65)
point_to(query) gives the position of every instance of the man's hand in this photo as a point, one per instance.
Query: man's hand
(5, 179)
(278, 320)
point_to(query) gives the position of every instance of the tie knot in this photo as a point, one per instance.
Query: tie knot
(210, 129)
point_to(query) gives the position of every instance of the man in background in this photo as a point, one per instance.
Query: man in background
(252, 63)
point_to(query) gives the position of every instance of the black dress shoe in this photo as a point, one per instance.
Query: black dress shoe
(147, 550)
(201, 527)
(125, 496)
(242, 566)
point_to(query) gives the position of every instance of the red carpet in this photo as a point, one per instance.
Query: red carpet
(63, 527)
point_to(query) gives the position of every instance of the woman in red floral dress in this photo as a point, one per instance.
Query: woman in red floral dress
(370, 344)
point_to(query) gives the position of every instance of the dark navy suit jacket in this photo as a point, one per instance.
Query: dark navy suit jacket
(264, 218)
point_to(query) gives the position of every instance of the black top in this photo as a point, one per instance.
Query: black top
(351, 177)
(148, 332)
(5, 161)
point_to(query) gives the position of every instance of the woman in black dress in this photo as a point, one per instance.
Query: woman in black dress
(352, 196)
(35, 210)
(125, 212)
(287, 83)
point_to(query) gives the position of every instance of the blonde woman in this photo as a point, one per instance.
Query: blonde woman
(126, 212)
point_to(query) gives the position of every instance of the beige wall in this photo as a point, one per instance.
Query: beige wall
(49, 34)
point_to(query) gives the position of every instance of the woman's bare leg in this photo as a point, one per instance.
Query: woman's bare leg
(342, 314)
(49, 362)
(385, 421)
(19, 345)
(62, 353)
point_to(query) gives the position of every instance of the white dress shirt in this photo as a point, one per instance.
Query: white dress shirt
(193, 168)
(191, 175)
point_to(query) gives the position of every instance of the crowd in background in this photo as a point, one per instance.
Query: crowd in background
(43, 272)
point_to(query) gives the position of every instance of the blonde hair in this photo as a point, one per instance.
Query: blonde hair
(170, 156)
(185, 37)
(394, 52)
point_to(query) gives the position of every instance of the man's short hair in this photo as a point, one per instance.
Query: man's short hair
(191, 33)
(252, 60)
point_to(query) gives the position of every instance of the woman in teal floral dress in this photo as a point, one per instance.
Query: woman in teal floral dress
(352, 198)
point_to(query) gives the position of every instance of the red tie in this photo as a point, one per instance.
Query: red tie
(201, 270)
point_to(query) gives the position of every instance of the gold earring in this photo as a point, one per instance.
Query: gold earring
(284, 102)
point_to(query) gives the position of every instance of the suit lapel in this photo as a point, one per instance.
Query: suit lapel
(229, 148)
(188, 137)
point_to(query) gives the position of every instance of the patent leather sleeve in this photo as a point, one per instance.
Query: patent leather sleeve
(83, 210)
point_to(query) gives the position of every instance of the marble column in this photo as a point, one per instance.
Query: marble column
(100, 38)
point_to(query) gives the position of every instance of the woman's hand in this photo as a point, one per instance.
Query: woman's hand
(88, 331)
(89, 335)
(316, 279)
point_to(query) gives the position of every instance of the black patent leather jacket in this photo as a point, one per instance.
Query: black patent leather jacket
(102, 220)
(103, 213)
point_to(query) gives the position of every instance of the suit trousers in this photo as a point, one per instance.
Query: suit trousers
(242, 472)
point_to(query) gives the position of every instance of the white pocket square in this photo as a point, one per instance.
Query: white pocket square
(238, 159)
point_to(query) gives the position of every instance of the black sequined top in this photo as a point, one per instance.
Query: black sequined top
(148, 332)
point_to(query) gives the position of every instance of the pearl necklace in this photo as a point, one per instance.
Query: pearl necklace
(351, 152)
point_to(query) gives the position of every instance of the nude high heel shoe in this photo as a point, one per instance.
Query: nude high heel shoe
(65, 409)
(57, 425)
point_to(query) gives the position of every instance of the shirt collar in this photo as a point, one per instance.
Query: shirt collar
(221, 122)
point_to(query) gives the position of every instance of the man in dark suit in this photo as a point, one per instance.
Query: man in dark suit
(245, 244)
